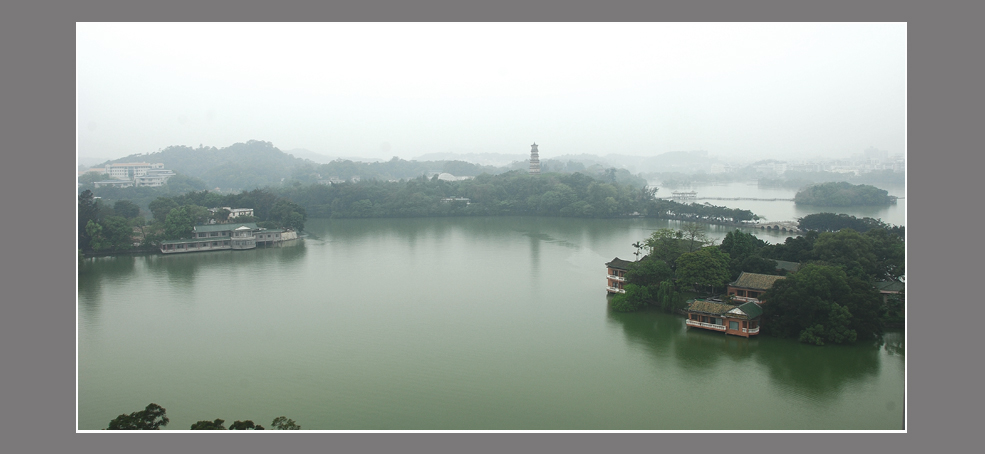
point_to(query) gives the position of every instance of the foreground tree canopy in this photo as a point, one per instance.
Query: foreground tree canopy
(153, 417)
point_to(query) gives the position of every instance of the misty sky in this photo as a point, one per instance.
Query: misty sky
(404, 89)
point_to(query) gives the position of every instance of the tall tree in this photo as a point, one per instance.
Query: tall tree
(94, 232)
(153, 417)
(666, 245)
(634, 299)
(178, 224)
(117, 232)
(850, 250)
(649, 272)
(88, 211)
(696, 236)
(245, 425)
(209, 425)
(283, 423)
(706, 267)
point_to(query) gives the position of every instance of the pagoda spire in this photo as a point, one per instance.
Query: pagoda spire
(534, 160)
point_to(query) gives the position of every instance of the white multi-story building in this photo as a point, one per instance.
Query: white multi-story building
(153, 178)
(131, 170)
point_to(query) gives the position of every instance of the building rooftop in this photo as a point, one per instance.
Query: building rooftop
(224, 227)
(755, 281)
(619, 264)
(709, 307)
(748, 310)
(131, 164)
(195, 240)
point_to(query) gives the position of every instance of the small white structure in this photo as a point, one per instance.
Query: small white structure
(445, 176)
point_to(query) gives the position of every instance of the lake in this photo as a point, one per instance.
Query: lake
(779, 211)
(447, 324)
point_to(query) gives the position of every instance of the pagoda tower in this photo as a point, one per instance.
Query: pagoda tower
(534, 160)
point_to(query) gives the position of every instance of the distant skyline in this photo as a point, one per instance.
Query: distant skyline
(377, 90)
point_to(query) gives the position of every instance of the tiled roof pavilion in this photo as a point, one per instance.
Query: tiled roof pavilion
(755, 281)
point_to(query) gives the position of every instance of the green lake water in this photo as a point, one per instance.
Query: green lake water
(446, 324)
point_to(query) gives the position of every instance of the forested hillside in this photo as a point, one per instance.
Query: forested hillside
(239, 166)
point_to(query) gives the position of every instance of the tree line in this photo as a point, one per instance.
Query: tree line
(831, 222)
(121, 227)
(842, 194)
(510, 193)
(104, 228)
(830, 299)
(153, 417)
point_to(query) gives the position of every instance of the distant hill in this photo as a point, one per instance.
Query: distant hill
(321, 158)
(485, 159)
(239, 166)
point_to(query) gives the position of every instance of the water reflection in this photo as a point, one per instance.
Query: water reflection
(183, 269)
(96, 272)
(701, 351)
(819, 373)
(895, 343)
(654, 332)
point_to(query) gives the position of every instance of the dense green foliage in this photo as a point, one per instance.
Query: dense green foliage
(842, 194)
(88, 212)
(245, 425)
(512, 193)
(179, 223)
(178, 215)
(821, 303)
(845, 265)
(831, 222)
(705, 267)
(283, 423)
(104, 229)
(209, 425)
(153, 417)
(649, 272)
(101, 228)
(636, 297)
(831, 299)
(745, 254)
(650, 281)
(874, 255)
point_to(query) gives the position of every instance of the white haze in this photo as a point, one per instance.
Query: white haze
(378, 90)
